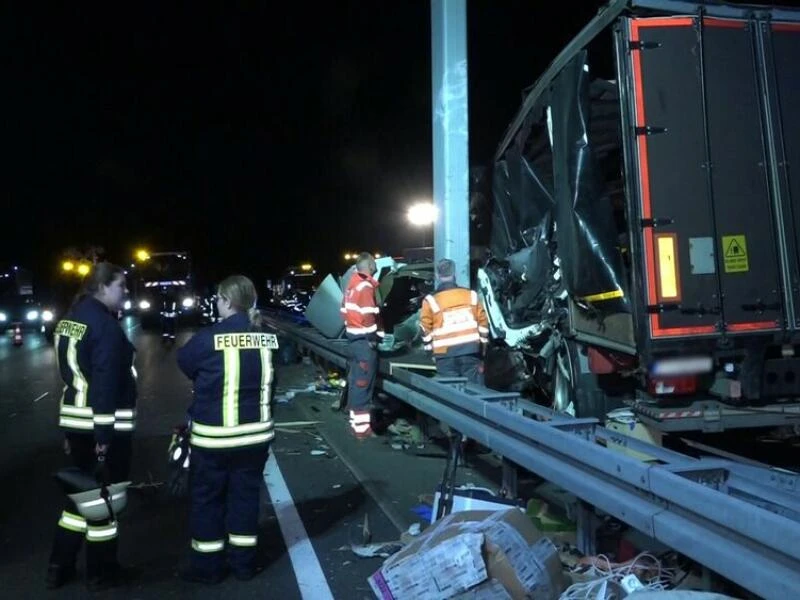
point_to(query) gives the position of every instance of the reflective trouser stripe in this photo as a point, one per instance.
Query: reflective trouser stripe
(359, 421)
(213, 546)
(72, 522)
(243, 541)
(101, 533)
(230, 388)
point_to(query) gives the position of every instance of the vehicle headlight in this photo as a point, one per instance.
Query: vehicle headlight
(144, 304)
(47, 316)
(3, 317)
(32, 315)
(127, 305)
(188, 302)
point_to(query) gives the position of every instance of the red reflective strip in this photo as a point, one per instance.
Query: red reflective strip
(673, 331)
(643, 23)
(726, 23)
(786, 27)
(754, 326)
(644, 174)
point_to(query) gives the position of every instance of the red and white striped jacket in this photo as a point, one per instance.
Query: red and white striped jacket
(359, 310)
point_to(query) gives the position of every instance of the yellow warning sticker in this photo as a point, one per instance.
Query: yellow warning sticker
(734, 253)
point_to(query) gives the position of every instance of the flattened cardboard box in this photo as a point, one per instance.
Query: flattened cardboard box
(446, 563)
(513, 551)
(488, 590)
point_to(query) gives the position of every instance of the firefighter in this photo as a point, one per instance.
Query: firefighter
(364, 332)
(454, 326)
(97, 415)
(169, 315)
(230, 364)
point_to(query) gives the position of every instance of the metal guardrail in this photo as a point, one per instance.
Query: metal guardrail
(740, 521)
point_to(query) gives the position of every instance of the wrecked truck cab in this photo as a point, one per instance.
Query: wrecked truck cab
(644, 227)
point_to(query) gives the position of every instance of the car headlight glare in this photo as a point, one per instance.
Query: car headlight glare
(188, 302)
(127, 305)
(144, 304)
(32, 315)
(47, 316)
(3, 317)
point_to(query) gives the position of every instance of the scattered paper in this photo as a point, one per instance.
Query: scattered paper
(380, 549)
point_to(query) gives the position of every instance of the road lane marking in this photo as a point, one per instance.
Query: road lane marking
(42, 396)
(307, 570)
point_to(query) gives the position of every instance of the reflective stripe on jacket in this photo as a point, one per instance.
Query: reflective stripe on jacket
(453, 321)
(95, 361)
(230, 365)
(359, 309)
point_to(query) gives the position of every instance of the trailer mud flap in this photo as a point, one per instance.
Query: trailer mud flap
(711, 260)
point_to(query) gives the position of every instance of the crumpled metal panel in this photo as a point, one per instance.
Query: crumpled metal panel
(323, 310)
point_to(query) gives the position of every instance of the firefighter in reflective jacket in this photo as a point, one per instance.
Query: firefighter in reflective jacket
(97, 415)
(454, 326)
(230, 364)
(363, 330)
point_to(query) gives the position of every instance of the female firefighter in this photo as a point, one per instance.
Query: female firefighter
(230, 365)
(97, 415)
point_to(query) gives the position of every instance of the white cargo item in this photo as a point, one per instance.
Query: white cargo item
(468, 497)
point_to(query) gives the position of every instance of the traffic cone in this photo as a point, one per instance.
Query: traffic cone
(17, 340)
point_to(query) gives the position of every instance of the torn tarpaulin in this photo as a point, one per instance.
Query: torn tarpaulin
(558, 196)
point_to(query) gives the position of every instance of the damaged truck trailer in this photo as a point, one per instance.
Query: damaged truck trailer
(644, 229)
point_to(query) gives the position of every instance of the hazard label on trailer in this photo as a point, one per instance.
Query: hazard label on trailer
(734, 252)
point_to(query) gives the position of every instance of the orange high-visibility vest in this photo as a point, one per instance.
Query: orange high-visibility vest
(453, 317)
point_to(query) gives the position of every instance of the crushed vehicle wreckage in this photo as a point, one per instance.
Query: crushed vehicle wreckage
(402, 288)
(643, 230)
(641, 226)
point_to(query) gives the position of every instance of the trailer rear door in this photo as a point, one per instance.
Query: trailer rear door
(711, 260)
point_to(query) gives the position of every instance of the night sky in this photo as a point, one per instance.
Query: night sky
(253, 137)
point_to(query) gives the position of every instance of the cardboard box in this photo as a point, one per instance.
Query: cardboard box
(463, 550)
(434, 567)
(488, 590)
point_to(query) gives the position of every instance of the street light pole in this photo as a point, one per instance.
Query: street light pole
(450, 133)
